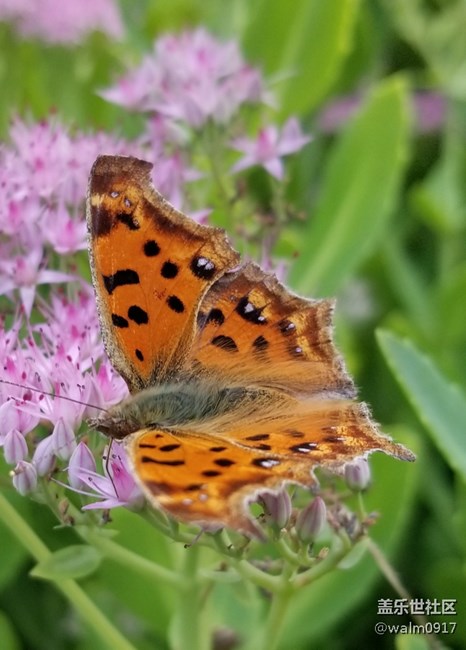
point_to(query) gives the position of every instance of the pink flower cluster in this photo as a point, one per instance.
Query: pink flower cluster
(43, 176)
(51, 351)
(55, 21)
(50, 377)
(190, 77)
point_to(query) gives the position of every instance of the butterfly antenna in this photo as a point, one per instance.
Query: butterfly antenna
(107, 458)
(45, 392)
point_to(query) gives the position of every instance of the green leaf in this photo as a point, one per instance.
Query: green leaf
(75, 561)
(13, 554)
(411, 642)
(307, 42)
(8, 638)
(358, 194)
(440, 406)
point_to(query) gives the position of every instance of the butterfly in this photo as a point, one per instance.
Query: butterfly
(235, 384)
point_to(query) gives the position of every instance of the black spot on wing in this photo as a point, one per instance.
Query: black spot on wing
(170, 447)
(286, 327)
(249, 312)
(120, 279)
(217, 449)
(260, 344)
(119, 321)
(332, 439)
(202, 268)
(128, 220)
(304, 447)
(138, 315)
(215, 316)
(259, 436)
(224, 462)
(172, 463)
(147, 445)
(296, 351)
(225, 342)
(151, 248)
(169, 270)
(266, 463)
(294, 433)
(175, 304)
(210, 473)
(139, 354)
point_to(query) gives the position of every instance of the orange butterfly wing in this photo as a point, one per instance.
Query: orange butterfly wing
(253, 330)
(151, 267)
(205, 474)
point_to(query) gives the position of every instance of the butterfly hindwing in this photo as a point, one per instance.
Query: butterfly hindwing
(205, 473)
(151, 267)
(252, 329)
(206, 480)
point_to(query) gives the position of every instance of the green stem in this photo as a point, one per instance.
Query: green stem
(341, 547)
(212, 146)
(274, 624)
(108, 634)
(249, 572)
(189, 630)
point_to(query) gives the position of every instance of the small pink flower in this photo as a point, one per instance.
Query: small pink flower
(58, 22)
(311, 519)
(358, 474)
(25, 273)
(12, 417)
(277, 507)
(44, 456)
(24, 477)
(64, 440)
(65, 234)
(15, 448)
(81, 460)
(269, 147)
(116, 488)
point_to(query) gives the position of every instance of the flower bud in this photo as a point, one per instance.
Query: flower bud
(277, 506)
(64, 440)
(24, 477)
(14, 447)
(44, 456)
(358, 474)
(81, 459)
(311, 519)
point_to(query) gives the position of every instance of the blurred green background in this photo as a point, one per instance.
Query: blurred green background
(383, 198)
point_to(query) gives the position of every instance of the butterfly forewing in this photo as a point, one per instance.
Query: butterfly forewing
(151, 267)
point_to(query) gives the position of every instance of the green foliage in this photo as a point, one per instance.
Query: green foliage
(76, 561)
(384, 213)
(358, 192)
(438, 404)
